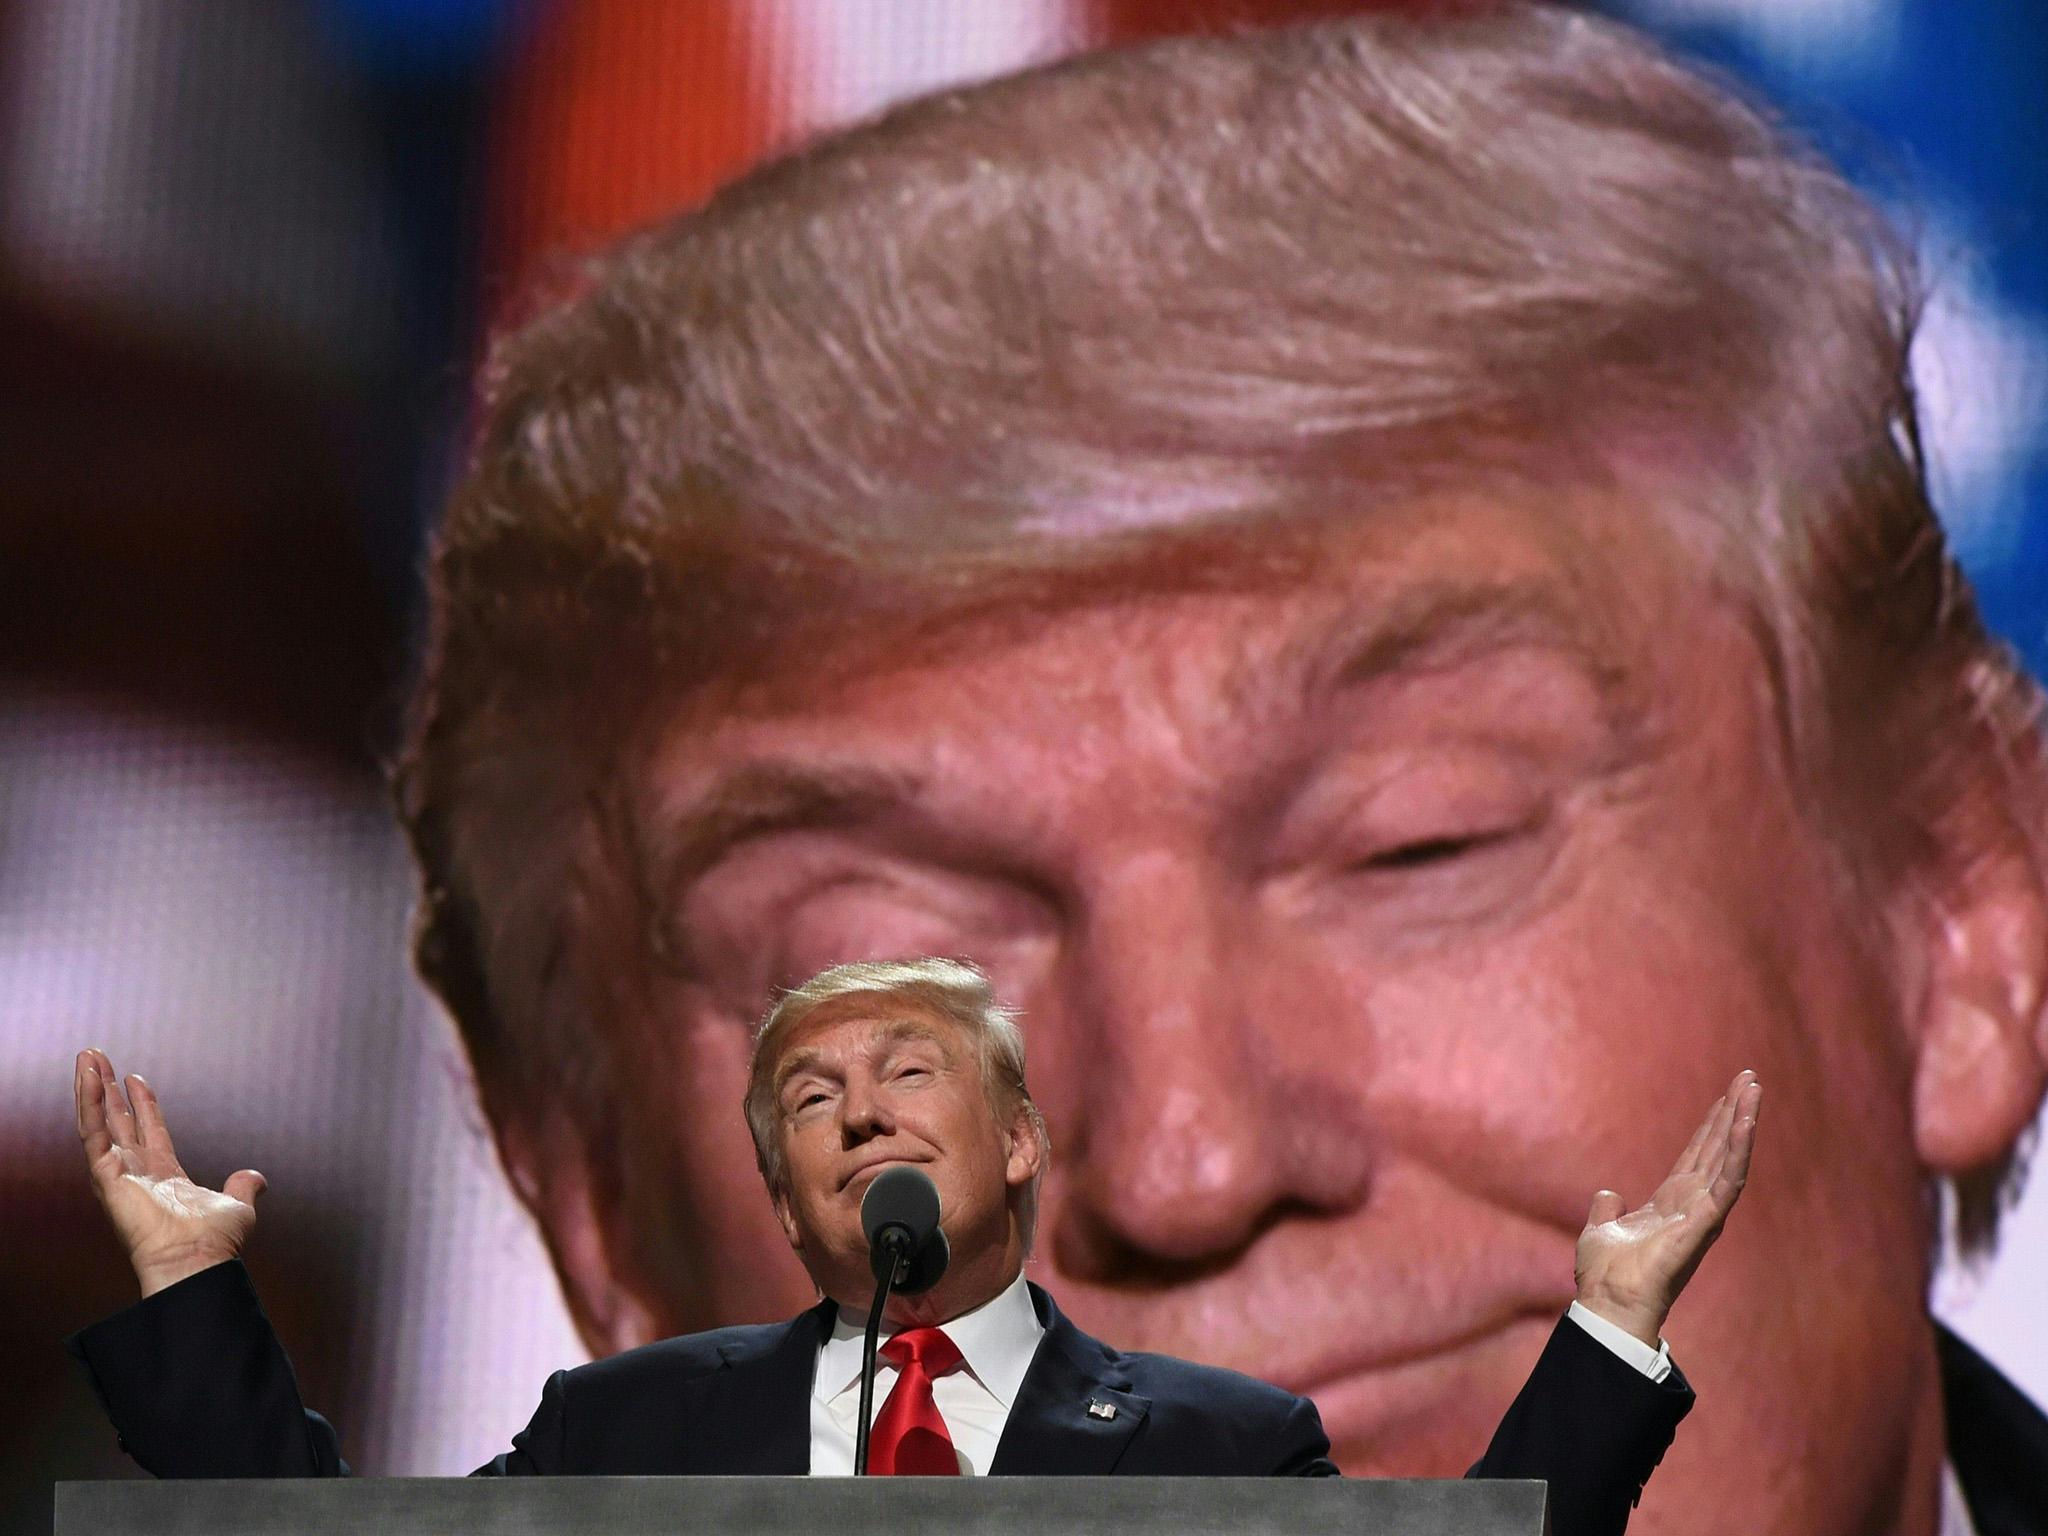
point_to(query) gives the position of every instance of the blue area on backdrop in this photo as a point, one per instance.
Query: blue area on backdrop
(1939, 110)
(422, 37)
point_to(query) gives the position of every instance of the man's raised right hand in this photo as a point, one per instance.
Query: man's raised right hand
(170, 1226)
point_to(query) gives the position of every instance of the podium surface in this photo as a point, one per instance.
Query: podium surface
(664, 1506)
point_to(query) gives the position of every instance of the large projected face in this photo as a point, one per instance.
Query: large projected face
(1361, 931)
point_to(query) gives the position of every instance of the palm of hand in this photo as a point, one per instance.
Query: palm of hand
(1631, 1265)
(169, 1224)
(160, 1205)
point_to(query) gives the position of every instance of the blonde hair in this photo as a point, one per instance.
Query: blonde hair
(1111, 321)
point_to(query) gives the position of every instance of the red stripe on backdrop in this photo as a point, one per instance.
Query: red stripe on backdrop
(618, 112)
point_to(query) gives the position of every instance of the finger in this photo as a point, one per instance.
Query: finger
(149, 1115)
(245, 1184)
(120, 1118)
(1715, 1152)
(1607, 1206)
(1734, 1172)
(1713, 1166)
(87, 1087)
(110, 1089)
(1689, 1159)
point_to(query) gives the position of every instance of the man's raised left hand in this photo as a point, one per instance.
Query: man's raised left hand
(1632, 1264)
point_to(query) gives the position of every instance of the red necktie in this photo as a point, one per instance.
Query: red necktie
(909, 1438)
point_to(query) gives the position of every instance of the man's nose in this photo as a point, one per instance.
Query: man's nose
(864, 1111)
(1203, 1093)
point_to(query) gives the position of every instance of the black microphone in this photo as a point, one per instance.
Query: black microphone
(900, 1214)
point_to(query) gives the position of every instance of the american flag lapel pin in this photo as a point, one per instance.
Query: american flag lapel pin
(1101, 1410)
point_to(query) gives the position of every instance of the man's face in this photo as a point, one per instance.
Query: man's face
(1361, 932)
(867, 1083)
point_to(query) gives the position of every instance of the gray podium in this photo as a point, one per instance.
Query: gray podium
(837, 1506)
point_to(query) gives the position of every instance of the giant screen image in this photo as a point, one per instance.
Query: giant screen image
(1417, 585)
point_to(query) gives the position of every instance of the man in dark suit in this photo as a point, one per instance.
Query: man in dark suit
(869, 1066)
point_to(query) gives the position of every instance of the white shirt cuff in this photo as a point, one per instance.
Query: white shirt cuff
(1653, 1363)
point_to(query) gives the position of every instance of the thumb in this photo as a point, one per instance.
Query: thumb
(1607, 1206)
(245, 1185)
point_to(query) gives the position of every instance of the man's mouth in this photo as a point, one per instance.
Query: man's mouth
(864, 1173)
(1395, 1322)
(1432, 1408)
(1317, 1375)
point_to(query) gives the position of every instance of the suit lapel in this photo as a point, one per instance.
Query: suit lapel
(1051, 1430)
(755, 1413)
(1997, 1443)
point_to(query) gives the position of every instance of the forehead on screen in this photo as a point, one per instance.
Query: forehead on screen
(1468, 550)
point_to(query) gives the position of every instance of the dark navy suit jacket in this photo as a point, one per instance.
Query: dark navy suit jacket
(198, 1386)
(1997, 1442)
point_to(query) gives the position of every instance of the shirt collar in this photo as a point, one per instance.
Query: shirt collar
(997, 1340)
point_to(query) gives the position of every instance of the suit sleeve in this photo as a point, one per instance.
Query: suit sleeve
(1592, 1426)
(197, 1385)
(538, 1449)
(1305, 1447)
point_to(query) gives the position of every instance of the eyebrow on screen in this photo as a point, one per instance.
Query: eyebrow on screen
(1438, 626)
(758, 799)
(1420, 630)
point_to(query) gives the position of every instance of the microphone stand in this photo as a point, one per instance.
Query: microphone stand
(890, 1252)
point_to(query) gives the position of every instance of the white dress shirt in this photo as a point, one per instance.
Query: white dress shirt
(1653, 1363)
(996, 1341)
(1955, 1513)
